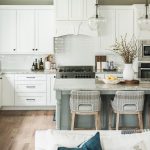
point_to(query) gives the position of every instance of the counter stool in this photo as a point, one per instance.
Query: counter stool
(127, 102)
(85, 103)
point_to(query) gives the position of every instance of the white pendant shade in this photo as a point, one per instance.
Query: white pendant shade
(94, 22)
(143, 20)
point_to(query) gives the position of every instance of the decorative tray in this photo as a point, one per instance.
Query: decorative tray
(132, 82)
(109, 70)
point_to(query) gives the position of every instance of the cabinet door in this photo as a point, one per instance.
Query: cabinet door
(62, 9)
(51, 93)
(90, 9)
(45, 28)
(26, 31)
(76, 9)
(7, 31)
(8, 90)
(107, 30)
(124, 22)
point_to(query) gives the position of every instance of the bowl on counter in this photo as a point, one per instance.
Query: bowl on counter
(111, 81)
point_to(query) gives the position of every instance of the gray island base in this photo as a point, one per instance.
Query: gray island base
(63, 88)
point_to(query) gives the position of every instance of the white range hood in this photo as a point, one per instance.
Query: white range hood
(74, 28)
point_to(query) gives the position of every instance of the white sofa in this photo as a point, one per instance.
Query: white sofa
(110, 140)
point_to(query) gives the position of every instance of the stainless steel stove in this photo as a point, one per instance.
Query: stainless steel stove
(75, 72)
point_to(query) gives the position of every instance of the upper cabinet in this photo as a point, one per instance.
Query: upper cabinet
(35, 31)
(125, 22)
(27, 30)
(74, 9)
(8, 31)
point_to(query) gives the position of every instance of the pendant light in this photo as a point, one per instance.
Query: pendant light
(94, 22)
(145, 20)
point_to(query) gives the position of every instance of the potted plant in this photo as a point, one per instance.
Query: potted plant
(128, 50)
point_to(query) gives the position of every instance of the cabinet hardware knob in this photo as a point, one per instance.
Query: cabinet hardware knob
(54, 76)
(33, 49)
(36, 49)
(30, 99)
(14, 49)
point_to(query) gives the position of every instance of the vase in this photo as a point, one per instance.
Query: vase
(128, 73)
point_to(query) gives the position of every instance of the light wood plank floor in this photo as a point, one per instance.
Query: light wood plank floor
(17, 128)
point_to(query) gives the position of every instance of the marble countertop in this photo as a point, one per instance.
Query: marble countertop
(27, 72)
(89, 84)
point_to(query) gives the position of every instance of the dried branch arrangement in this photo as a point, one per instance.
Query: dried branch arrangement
(128, 50)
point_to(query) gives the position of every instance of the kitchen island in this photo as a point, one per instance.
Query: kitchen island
(63, 115)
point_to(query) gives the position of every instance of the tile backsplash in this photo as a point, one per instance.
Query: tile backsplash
(23, 62)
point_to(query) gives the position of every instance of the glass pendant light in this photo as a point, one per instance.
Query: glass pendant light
(94, 22)
(145, 20)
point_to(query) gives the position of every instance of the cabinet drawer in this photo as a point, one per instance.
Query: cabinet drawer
(30, 99)
(30, 77)
(30, 86)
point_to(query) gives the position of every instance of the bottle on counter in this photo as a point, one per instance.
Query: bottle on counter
(41, 64)
(33, 67)
(36, 64)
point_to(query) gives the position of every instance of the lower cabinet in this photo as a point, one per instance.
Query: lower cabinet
(8, 90)
(28, 90)
(51, 93)
(30, 99)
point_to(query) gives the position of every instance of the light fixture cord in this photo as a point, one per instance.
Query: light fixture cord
(97, 4)
(147, 4)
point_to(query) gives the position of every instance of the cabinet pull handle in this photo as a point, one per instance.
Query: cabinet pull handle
(30, 99)
(30, 87)
(1, 78)
(30, 77)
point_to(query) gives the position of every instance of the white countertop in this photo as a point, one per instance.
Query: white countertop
(27, 72)
(89, 84)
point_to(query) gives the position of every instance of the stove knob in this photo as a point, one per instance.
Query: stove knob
(65, 76)
(62, 76)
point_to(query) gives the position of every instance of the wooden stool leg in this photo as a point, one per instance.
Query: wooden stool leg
(73, 121)
(96, 120)
(99, 120)
(117, 121)
(140, 120)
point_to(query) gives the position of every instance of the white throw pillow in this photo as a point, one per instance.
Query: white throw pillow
(66, 139)
(125, 142)
(139, 146)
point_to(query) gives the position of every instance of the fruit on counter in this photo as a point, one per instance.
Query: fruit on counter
(111, 77)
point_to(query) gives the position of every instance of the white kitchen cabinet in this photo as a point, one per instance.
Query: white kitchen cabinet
(51, 93)
(26, 31)
(45, 30)
(30, 99)
(35, 31)
(30, 90)
(74, 10)
(107, 30)
(7, 31)
(125, 22)
(90, 9)
(62, 9)
(8, 90)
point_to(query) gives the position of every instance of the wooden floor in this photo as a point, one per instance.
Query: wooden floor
(17, 128)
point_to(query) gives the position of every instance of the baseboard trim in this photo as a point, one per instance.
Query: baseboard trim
(28, 108)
